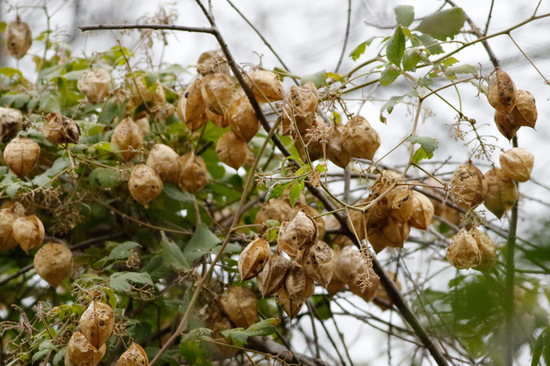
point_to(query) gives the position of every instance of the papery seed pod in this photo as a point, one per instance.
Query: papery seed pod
(501, 194)
(20, 155)
(28, 231)
(275, 209)
(11, 121)
(292, 122)
(232, 150)
(81, 353)
(97, 323)
(463, 252)
(128, 137)
(291, 305)
(60, 129)
(318, 262)
(216, 119)
(18, 38)
(297, 283)
(300, 233)
(517, 164)
(422, 211)
(7, 240)
(54, 262)
(143, 124)
(304, 99)
(313, 140)
(15, 207)
(345, 263)
(220, 324)
(360, 139)
(501, 91)
(336, 151)
(525, 112)
(311, 212)
(468, 186)
(392, 233)
(210, 62)
(133, 356)
(253, 258)
(335, 286)
(242, 119)
(94, 84)
(217, 92)
(272, 276)
(381, 298)
(357, 222)
(191, 105)
(487, 248)
(506, 124)
(366, 282)
(165, 161)
(152, 95)
(193, 176)
(145, 184)
(240, 305)
(265, 85)
(399, 201)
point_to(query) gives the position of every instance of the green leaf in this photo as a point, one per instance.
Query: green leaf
(195, 335)
(58, 166)
(393, 101)
(443, 24)
(404, 15)
(172, 255)
(411, 58)
(396, 46)
(262, 328)
(106, 177)
(124, 282)
(276, 190)
(202, 242)
(10, 72)
(538, 348)
(451, 72)
(175, 193)
(358, 51)
(295, 192)
(389, 74)
(122, 251)
(449, 61)
(319, 78)
(335, 76)
(431, 44)
(427, 147)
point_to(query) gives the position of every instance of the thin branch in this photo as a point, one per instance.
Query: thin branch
(87, 28)
(346, 37)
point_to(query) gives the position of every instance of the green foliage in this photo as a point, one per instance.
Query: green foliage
(443, 24)
(396, 46)
(427, 147)
(261, 328)
(404, 15)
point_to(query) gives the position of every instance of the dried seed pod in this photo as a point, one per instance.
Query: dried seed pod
(20, 155)
(145, 184)
(216, 119)
(297, 283)
(275, 209)
(191, 105)
(60, 129)
(94, 84)
(399, 202)
(357, 222)
(232, 150)
(360, 139)
(525, 112)
(468, 186)
(128, 137)
(381, 298)
(217, 92)
(7, 239)
(311, 212)
(28, 231)
(242, 119)
(422, 211)
(389, 232)
(265, 85)
(240, 305)
(220, 324)
(153, 95)
(54, 262)
(292, 122)
(272, 276)
(166, 162)
(501, 91)
(313, 139)
(366, 281)
(304, 99)
(300, 233)
(193, 176)
(18, 37)
(11, 121)
(346, 261)
(143, 124)
(517, 164)
(97, 323)
(487, 248)
(291, 305)
(336, 151)
(253, 258)
(506, 124)
(464, 252)
(318, 263)
(134, 356)
(440, 207)
(212, 62)
(501, 194)
(15, 207)
(81, 353)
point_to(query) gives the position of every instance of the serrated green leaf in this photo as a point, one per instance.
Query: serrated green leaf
(272, 234)
(335, 76)
(195, 335)
(122, 251)
(389, 75)
(431, 44)
(443, 24)
(425, 81)
(295, 192)
(319, 78)
(262, 328)
(276, 190)
(396, 46)
(392, 102)
(411, 58)
(124, 282)
(421, 154)
(449, 61)
(175, 193)
(358, 51)
(106, 177)
(429, 144)
(202, 242)
(172, 255)
(404, 15)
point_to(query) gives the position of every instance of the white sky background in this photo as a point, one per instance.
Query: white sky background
(308, 35)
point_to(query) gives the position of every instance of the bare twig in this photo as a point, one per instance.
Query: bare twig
(346, 37)
(87, 28)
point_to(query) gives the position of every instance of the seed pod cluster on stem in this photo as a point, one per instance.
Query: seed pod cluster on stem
(472, 249)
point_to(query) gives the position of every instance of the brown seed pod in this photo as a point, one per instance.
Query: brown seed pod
(468, 186)
(501, 91)
(191, 105)
(242, 119)
(134, 356)
(381, 298)
(387, 232)
(311, 212)
(336, 151)
(216, 119)
(360, 139)
(81, 353)
(152, 95)
(18, 38)
(128, 137)
(506, 124)
(253, 258)
(399, 202)
(487, 248)
(291, 122)
(7, 239)
(166, 162)
(300, 233)
(145, 184)
(464, 252)
(272, 276)
(217, 92)
(193, 176)
(356, 222)
(20, 155)
(28, 231)
(275, 209)
(440, 207)
(232, 150)
(517, 164)
(210, 62)
(240, 305)
(94, 84)
(314, 139)
(11, 121)
(297, 283)
(422, 211)
(143, 124)
(318, 262)
(60, 129)
(97, 323)
(15, 207)
(501, 194)
(525, 112)
(304, 99)
(366, 281)
(265, 85)
(54, 262)
(291, 305)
